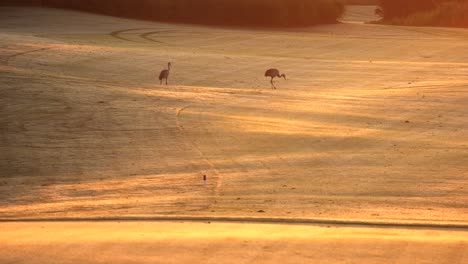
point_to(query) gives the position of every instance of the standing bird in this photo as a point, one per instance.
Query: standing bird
(165, 73)
(274, 73)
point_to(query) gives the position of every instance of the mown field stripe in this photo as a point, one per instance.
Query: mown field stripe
(254, 220)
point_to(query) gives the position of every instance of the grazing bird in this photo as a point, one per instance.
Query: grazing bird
(274, 73)
(165, 73)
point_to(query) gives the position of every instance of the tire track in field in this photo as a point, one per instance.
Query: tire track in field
(181, 128)
(147, 35)
(177, 33)
(144, 36)
(7, 59)
(117, 34)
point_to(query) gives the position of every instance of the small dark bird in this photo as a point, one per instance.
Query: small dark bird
(272, 73)
(165, 73)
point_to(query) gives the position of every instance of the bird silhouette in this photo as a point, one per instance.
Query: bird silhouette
(272, 73)
(165, 73)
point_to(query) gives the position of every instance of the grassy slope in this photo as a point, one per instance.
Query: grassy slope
(161, 242)
(370, 125)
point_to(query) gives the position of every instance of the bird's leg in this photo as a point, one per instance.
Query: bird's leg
(160, 82)
(166, 81)
(272, 84)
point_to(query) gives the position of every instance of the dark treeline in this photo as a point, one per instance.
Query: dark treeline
(20, 2)
(401, 8)
(452, 13)
(216, 12)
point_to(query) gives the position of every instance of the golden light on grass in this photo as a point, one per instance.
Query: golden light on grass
(370, 127)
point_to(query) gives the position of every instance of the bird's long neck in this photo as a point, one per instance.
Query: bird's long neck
(168, 67)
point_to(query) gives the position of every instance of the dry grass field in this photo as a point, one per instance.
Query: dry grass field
(174, 243)
(371, 125)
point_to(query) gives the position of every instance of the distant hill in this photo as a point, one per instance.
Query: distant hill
(361, 2)
(449, 13)
(272, 13)
(21, 3)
